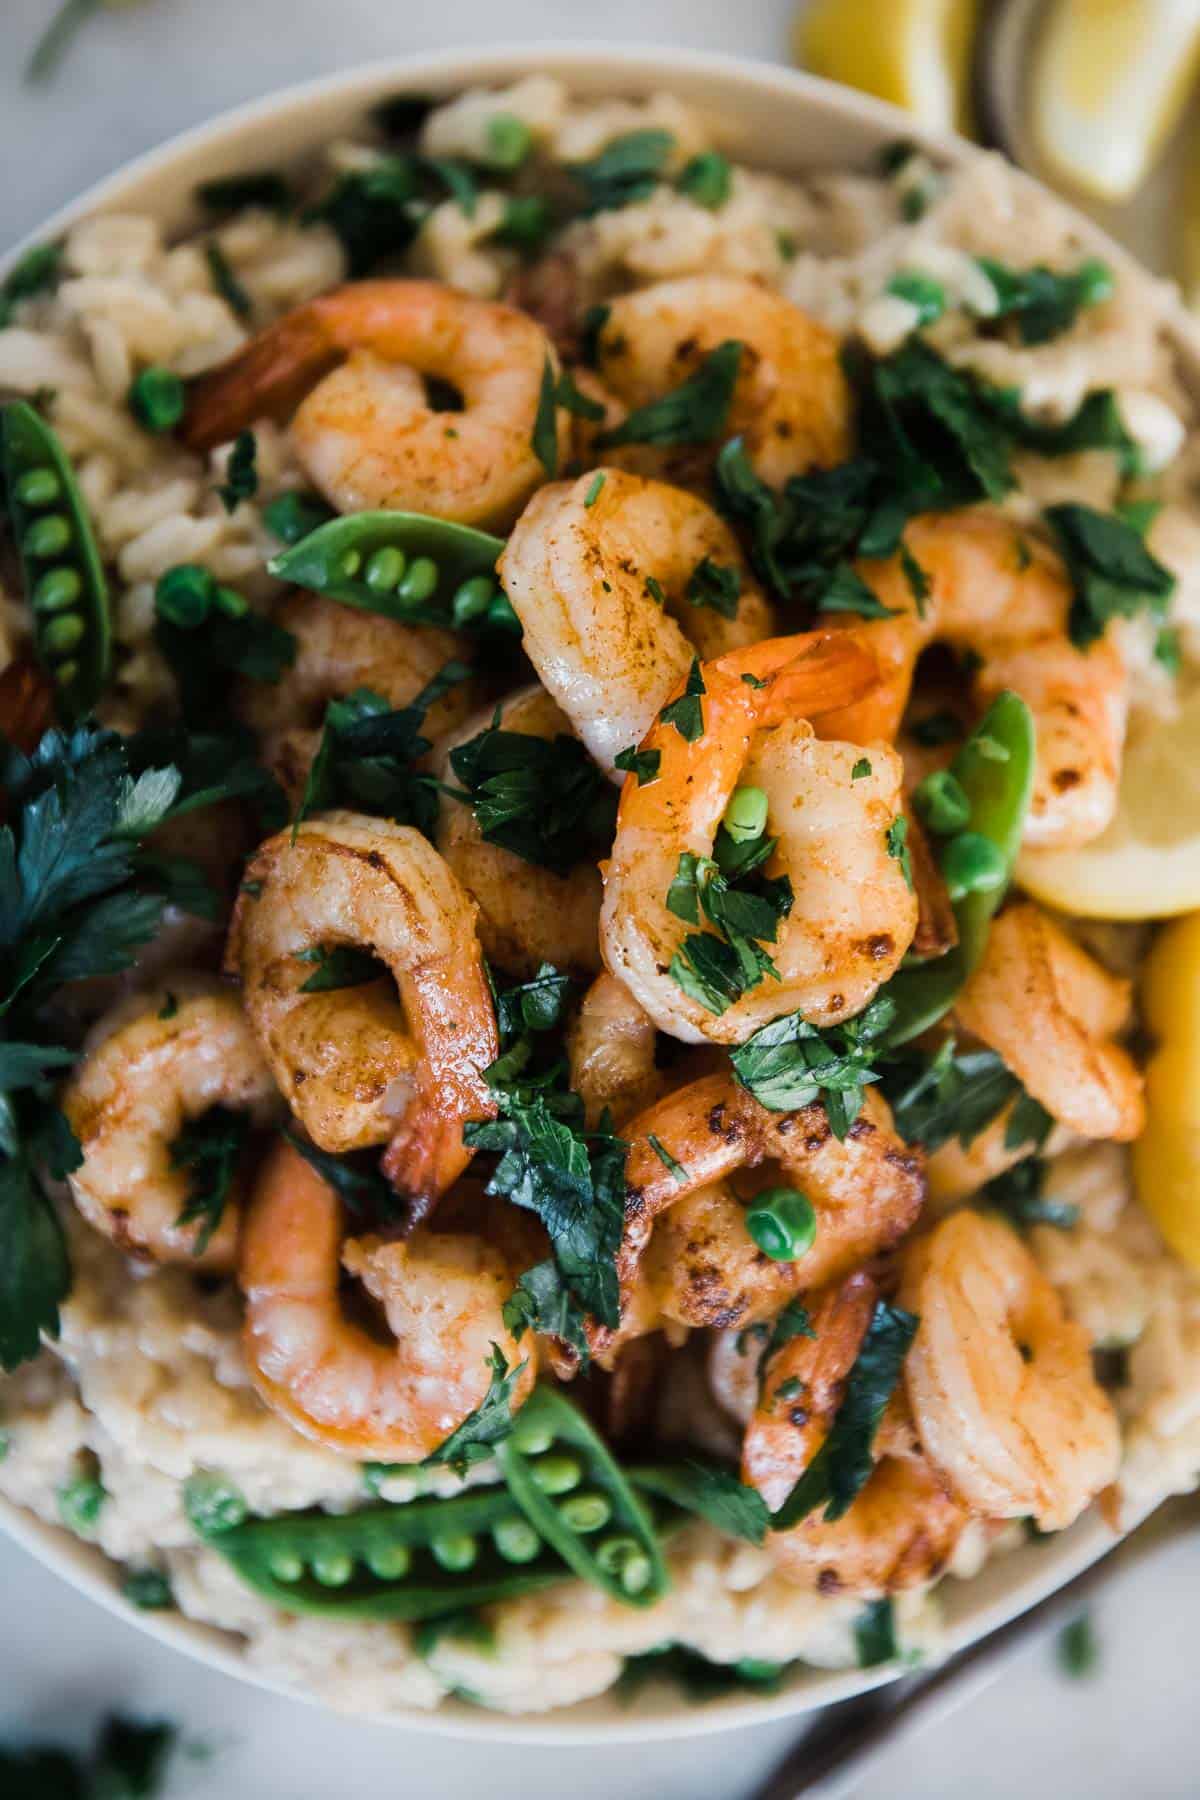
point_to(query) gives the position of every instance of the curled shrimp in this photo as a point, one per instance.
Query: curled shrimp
(853, 913)
(346, 370)
(1051, 1012)
(901, 1528)
(372, 1063)
(610, 1047)
(791, 403)
(158, 1062)
(441, 1293)
(598, 570)
(1000, 1380)
(995, 592)
(527, 914)
(703, 1152)
(339, 649)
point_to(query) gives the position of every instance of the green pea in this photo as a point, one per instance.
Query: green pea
(352, 563)
(293, 515)
(585, 1512)
(1093, 282)
(184, 595)
(230, 602)
(746, 815)
(941, 802)
(332, 1568)
(80, 1503)
(527, 219)
(38, 487)
(63, 634)
(972, 864)
(285, 1565)
(455, 1551)
(56, 589)
(212, 1503)
(782, 1223)
(635, 1572)
(389, 1561)
(385, 569)
(516, 1540)
(501, 617)
(420, 583)
(473, 599)
(531, 1436)
(509, 141)
(157, 399)
(557, 1474)
(66, 674)
(148, 1589)
(614, 1553)
(756, 1669)
(47, 537)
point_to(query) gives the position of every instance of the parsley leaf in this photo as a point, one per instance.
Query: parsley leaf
(875, 1633)
(545, 424)
(491, 1421)
(645, 764)
(35, 1274)
(626, 170)
(1043, 302)
(686, 714)
(226, 282)
(790, 1063)
(746, 912)
(897, 848)
(375, 213)
(266, 188)
(693, 413)
(841, 1467)
(715, 585)
(712, 1491)
(1019, 1194)
(1112, 572)
(209, 1148)
(355, 1178)
(341, 967)
(934, 1099)
(241, 474)
(542, 1302)
(544, 799)
(37, 272)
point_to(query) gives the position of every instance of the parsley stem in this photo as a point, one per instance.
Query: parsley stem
(56, 40)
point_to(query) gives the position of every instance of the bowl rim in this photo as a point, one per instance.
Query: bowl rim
(1032, 1572)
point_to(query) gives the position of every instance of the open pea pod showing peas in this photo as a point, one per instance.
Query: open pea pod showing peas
(60, 563)
(409, 566)
(575, 1495)
(407, 1562)
(994, 771)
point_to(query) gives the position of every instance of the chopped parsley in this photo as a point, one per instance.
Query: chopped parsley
(544, 438)
(715, 1493)
(241, 474)
(895, 837)
(861, 769)
(627, 170)
(1019, 1193)
(265, 188)
(1044, 303)
(670, 1163)
(841, 1467)
(1077, 1649)
(594, 489)
(355, 1178)
(226, 282)
(715, 585)
(544, 799)
(707, 179)
(37, 272)
(129, 1762)
(875, 1633)
(341, 966)
(745, 910)
(948, 1095)
(693, 413)
(1112, 572)
(210, 1149)
(687, 714)
(205, 633)
(492, 1420)
(699, 1678)
(375, 213)
(645, 764)
(791, 1063)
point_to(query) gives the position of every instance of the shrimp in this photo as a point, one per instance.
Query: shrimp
(598, 572)
(358, 1065)
(610, 1046)
(999, 594)
(702, 1153)
(442, 1295)
(166, 1057)
(339, 649)
(527, 914)
(903, 1525)
(853, 913)
(1051, 1012)
(791, 404)
(1000, 1380)
(345, 369)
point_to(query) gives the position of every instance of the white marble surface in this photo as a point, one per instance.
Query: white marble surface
(136, 77)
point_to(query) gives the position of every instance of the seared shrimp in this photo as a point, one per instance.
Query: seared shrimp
(1000, 1380)
(866, 1190)
(441, 1293)
(598, 572)
(997, 593)
(158, 1062)
(1051, 1011)
(611, 1050)
(853, 913)
(339, 649)
(358, 1065)
(791, 403)
(345, 369)
(527, 914)
(903, 1525)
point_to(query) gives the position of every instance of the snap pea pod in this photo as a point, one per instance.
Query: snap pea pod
(60, 563)
(410, 566)
(405, 1562)
(994, 768)
(574, 1493)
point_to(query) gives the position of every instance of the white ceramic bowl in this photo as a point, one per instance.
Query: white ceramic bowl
(774, 118)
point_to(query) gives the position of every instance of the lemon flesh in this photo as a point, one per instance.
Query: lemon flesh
(915, 53)
(1147, 864)
(1109, 80)
(1166, 1158)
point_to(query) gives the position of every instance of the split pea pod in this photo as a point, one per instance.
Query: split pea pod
(409, 566)
(60, 563)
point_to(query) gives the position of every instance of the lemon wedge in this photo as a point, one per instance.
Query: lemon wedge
(1109, 80)
(1147, 864)
(915, 53)
(1166, 1158)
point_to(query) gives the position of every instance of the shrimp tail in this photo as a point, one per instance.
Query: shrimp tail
(267, 379)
